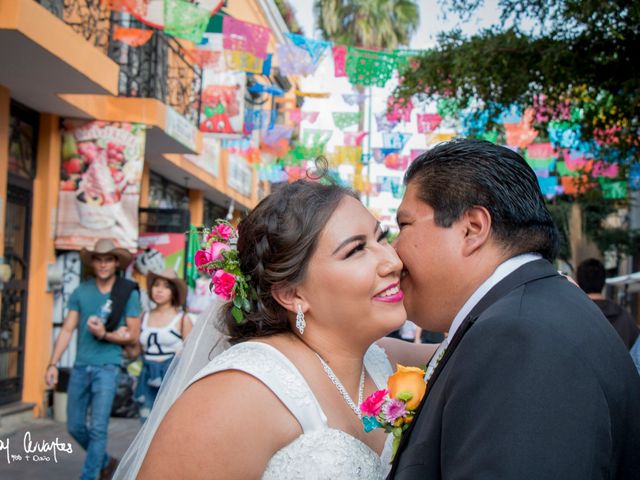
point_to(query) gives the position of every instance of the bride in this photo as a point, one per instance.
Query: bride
(283, 401)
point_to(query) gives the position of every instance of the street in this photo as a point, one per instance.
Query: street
(18, 464)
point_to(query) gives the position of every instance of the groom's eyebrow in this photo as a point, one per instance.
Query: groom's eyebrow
(355, 238)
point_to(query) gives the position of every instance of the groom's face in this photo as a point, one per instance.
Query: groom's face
(431, 257)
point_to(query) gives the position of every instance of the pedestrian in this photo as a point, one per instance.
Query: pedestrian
(591, 278)
(162, 334)
(105, 309)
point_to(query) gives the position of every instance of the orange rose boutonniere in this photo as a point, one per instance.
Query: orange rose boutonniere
(407, 384)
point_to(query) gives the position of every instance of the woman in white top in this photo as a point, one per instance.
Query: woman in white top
(282, 402)
(162, 333)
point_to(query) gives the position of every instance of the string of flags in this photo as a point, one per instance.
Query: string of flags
(564, 161)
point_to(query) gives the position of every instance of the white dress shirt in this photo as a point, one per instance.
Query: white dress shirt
(503, 270)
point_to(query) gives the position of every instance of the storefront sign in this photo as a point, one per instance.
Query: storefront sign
(209, 159)
(239, 177)
(181, 129)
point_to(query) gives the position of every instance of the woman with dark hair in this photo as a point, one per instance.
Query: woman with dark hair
(162, 334)
(283, 401)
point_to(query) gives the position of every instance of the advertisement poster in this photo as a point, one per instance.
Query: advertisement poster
(222, 102)
(99, 184)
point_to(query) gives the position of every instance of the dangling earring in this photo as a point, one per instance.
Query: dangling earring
(300, 323)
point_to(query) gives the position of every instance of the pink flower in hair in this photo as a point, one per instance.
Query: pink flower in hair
(223, 284)
(224, 231)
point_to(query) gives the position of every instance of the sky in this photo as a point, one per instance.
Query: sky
(432, 22)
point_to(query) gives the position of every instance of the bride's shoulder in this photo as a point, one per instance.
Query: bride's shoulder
(255, 358)
(205, 418)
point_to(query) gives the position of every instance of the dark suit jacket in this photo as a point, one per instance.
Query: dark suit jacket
(535, 384)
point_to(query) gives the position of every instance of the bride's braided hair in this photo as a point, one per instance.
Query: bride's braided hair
(275, 244)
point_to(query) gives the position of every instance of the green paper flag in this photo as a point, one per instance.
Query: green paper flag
(193, 245)
(185, 20)
(346, 119)
(613, 190)
(368, 67)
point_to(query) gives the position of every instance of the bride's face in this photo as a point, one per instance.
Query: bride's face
(352, 285)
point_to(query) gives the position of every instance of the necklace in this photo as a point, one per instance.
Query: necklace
(343, 391)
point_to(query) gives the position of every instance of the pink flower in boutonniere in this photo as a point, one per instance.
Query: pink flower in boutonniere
(372, 405)
(223, 284)
(394, 409)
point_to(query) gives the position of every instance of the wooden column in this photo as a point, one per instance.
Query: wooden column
(144, 185)
(5, 106)
(196, 207)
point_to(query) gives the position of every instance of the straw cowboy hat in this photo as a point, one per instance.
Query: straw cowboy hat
(169, 274)
(105, 246)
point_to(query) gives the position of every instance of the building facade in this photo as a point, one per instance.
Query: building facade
(60, 62)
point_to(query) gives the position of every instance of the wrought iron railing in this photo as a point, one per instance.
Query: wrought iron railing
(89, 18)
(158, 69)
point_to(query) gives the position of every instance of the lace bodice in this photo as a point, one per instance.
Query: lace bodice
(320, 452)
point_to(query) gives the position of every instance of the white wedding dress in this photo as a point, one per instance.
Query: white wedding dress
(320, 452)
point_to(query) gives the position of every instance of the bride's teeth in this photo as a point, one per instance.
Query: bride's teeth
(389, 292)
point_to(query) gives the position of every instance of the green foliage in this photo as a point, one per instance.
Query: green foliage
(584, 53)
(373, 24)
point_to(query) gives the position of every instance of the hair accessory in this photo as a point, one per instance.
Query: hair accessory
(218, 257)
(300, 323)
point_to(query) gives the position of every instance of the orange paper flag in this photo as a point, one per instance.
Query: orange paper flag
(134, 37)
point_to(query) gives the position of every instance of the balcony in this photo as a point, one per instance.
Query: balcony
(158, 69)
(42, 57)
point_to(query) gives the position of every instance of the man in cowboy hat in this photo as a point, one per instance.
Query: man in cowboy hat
(105, 309)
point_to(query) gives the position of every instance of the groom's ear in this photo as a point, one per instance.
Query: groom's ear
(289, 298)
(477, 225)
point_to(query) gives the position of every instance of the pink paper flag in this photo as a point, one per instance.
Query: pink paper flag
(245, 37)
(428, 122)
(415, 153)
(339, 59)
(354, 139)
(603, 169)
(310, 117)
(295, 116)
(540, 150)
(575, 160)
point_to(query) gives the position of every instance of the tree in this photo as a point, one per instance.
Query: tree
(372, 24)
(574, 60)
(580, 55)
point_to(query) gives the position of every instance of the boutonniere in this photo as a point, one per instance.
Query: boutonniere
(393, 408)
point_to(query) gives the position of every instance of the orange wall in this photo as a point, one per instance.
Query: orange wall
(40, 303)
(196, 207)
(144, 185)
(44, 28)
(5, 105)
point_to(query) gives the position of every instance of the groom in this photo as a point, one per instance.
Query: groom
(532, 382)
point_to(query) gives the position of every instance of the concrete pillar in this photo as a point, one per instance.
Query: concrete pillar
(40, 302)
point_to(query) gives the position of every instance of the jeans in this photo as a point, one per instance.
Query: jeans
(148, 386)
(91, 387)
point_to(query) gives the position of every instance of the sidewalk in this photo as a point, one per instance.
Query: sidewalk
(68, 465)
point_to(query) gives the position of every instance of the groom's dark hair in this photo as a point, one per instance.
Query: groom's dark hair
(455, 176)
